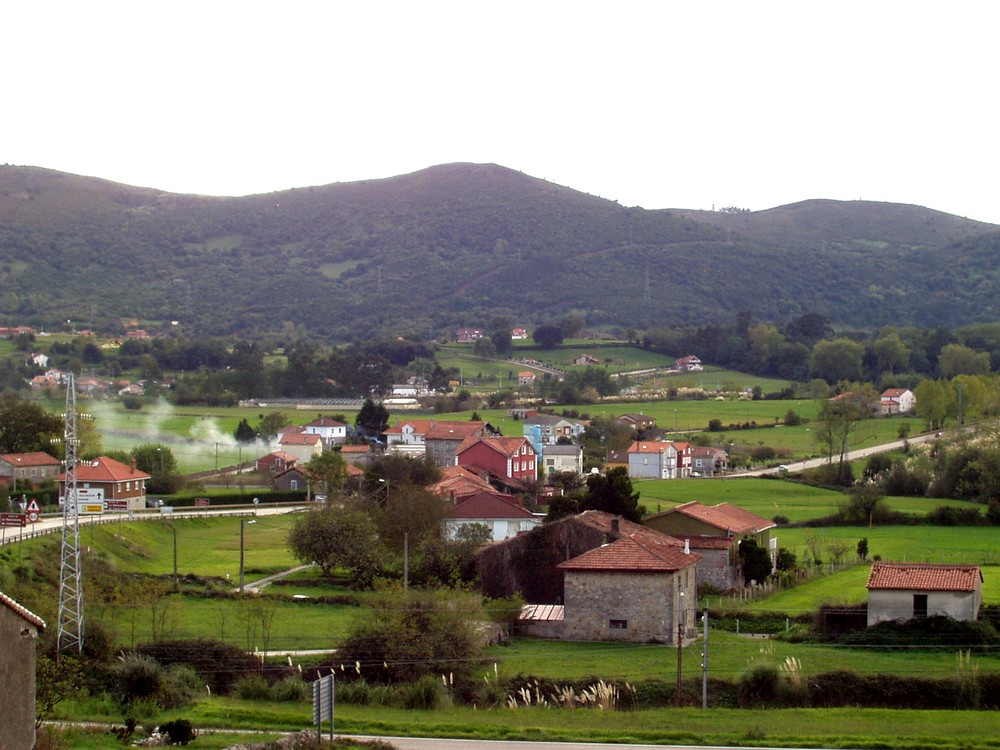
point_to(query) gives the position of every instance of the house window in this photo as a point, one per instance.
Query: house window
(645, 461)
(294, 484)
(618, 624)
(119, 486)
(550, 462)
(919, 605)
(517, 466)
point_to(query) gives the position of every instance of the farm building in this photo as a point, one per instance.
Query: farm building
(905, 591)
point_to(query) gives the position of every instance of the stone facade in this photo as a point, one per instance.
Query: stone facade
(629, 606)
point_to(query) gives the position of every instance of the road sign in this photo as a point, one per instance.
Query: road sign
(13, 519)
(34, 512)
(323, 702)
(202, 502)
(116, 506)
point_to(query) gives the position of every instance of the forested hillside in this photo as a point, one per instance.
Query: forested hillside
(458, 244)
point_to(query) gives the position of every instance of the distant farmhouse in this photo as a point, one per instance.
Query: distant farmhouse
(904, 591)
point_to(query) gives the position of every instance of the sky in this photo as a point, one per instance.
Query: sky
(654, 104)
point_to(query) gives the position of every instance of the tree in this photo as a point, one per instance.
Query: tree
(424, 633)
(891, 354)
(863, 549)
(865, 505)
(244, 432)
(936, 401)
(956, 359)
(484, 347)
(326, 473)
(612, 493)
(158, 461)
(26, 427)
(372, 418)
(271, 424)
(755, 560)
(336, 538)
(548, 336)
(839, 419)
(836, 360)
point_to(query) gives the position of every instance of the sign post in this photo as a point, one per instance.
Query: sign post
(323, 703)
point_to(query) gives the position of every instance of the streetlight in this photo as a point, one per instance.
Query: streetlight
(675, 420)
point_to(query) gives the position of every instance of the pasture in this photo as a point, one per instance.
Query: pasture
(979, 545)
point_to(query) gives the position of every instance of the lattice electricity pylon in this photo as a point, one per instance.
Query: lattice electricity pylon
(70, 635)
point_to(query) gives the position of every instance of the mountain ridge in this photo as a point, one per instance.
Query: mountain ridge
(458, 243)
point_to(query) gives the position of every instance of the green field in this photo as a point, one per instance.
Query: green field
(935, 544)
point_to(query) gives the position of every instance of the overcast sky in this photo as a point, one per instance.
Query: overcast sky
(655, 104)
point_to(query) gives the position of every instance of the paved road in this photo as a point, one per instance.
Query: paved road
(815, 463)
(420, 743)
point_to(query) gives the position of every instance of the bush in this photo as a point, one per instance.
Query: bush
(181, 685)
(290, 689)
(759, 684)
(425, 693)
(179, 731)
(252, 688)
(218, 664)
(138, 678)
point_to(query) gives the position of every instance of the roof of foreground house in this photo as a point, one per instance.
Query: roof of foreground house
(636, 552)
(37, 458)
(104, 469)
(489, 505)
(25, 614)
(924, 577)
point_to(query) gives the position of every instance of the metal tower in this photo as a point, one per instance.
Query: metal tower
(70, 635)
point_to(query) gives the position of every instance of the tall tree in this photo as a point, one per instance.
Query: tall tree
(26, 427)
(372, 418)
(613, 493)
(326, 473)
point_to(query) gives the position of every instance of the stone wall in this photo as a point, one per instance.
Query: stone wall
(17, 689)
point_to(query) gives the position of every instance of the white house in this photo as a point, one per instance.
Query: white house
(896, 401)
(656, 459)
(503, 517)
(333, 432)
(905, 591)
(562, 458)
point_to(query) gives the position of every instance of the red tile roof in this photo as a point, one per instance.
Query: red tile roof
(30, 459)
(634, 552)
(326, 422)
(298, 438)
(651, 446)
(924, 577)
(31, 617)
(104, 469)
(488, 505)
(725, 516)
(454, 430)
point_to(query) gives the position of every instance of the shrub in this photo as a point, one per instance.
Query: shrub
(424, 694)
(138, 678)
(759, 684)
(252, 688)
(218, 664)
(179, 731)
(290, 689)
(181, 685)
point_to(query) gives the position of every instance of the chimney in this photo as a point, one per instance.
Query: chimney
(131, 466)
(687, 546)
(615, 528)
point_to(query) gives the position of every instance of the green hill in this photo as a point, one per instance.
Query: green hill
(457, 244)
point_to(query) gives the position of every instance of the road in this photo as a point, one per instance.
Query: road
(815, 463)
(421, 743)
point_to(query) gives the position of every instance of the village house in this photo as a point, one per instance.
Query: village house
(657, 459)
(501, 514)
(39, 360)
(518, 334)
(304, 446)
(526, 377)
(274, 463)
(546, 429)
(458, 483)
(690, 363)
(468, 335)
(638, 588)
(504, 457)
(356, 455)
(707, 462)
(19, 631)
(333, 431)
(443, 438)
(896, 401)
(562, 458)
(704, 526)
(110, 479)
(905, 591)
(27, 470)
(407, 437)
(637, 422)
(586, 360)
(291, 479)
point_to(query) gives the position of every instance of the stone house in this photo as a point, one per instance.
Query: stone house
(905, 591)
(442, 439)
(702, 525)
(638, 588)
(706, 462)
(19, 631)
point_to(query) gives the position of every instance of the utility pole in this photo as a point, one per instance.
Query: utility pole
(174, 529)
(680, 644)
(704, 660)
(242, 540)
